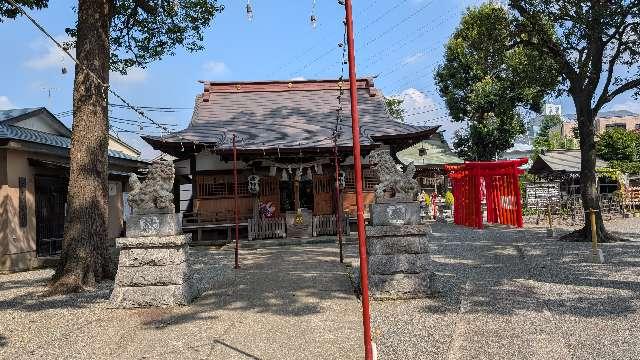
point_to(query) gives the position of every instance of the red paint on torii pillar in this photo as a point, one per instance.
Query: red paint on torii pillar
(497, 182)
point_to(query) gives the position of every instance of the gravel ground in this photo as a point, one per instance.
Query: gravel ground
(504, 294)
(284, 303)
(513, 294)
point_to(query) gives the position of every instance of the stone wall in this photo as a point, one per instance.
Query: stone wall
(399, 262)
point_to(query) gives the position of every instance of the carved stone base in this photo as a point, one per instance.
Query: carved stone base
(399, 262)
(153, 224)
(395, 213)
(153, 271)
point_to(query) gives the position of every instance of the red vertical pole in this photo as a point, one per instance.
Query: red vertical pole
(509, 196)
(488, 195)
(338, 202)
(478, 199)
(499, 199)
(235, 199)
(505, 196)
(496, 198)
(520, 222)
(357, 169)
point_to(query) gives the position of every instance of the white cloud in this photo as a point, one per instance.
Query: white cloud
(426, 111)
(216, 68)
(49, 55)
(5, 103)
(134, 75)
(415, 98)
(413, 58)
(298, 78)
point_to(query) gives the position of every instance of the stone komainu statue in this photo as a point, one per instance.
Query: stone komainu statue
(155, 193)
(401, 183)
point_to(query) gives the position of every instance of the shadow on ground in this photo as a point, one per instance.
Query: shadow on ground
(506, 271)
(289, 281)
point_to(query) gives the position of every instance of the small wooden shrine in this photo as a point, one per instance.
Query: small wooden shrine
(289, 135)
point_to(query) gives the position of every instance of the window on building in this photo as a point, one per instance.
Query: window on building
(637, 126)
(616, 126)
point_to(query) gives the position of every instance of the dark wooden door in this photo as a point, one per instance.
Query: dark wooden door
(324, 194)
(51, 198)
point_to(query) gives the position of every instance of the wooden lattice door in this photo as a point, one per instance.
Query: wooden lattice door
(323, 194)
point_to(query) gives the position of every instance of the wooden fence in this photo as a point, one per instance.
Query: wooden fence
(327, 225)
(267, 228)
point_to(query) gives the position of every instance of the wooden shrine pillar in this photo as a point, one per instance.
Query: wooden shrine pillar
(296, 192)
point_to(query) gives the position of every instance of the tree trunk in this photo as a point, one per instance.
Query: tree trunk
(588, 176)
(85, 257)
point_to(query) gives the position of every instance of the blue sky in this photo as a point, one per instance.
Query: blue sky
(400, 40)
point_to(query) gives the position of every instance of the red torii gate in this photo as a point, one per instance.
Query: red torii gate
(501, 190)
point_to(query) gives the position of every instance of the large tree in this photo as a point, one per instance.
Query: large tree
(596, 46)
(109, 35)
(485, 81)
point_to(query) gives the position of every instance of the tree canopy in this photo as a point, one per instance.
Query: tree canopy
(550, 138)
(486, 78)
(596, 47)
(619, 145)
(394, 106)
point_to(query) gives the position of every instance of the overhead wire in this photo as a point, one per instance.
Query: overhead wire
(106, 87)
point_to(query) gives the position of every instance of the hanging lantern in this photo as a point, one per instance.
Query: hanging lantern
(422, 151)
(249, 11)
(254, 184)
(285, 177)
(319, 169)
(309, 174)
(272, 171)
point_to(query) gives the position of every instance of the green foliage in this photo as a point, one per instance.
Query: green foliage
(549, 137)
(626, 167)
(485, 79)
(610, 172)
(619, 145)
(394, 106)
(448, 199)
(143, 31)
(486, 139)
(549, 122)
(8, 11)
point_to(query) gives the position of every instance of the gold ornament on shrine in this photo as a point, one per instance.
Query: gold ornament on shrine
(299, 219)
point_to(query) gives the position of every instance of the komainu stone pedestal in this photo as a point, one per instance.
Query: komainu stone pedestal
(399, 262)
(153, 271)
(153, 268)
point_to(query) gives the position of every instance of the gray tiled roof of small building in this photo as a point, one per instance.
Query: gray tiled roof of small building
(567, 160)
(295, 118)
(11, 132)
(13, 113)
